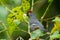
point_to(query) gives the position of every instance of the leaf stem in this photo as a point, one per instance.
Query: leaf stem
(7, 8)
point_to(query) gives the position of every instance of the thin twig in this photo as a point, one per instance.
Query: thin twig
(46, 38)
(22, 30)
(27, 23)
(5, 25)
(47, 19)
(32, 5)
(29, 29)
(3, 30)
(46, 10)
(6, 30)
(7, 8)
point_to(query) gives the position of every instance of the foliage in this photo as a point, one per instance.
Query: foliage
(14, 23)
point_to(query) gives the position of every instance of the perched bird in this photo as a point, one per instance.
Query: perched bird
(34, 23)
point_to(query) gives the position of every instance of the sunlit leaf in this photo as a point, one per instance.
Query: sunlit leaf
(56, 25)
(57, 19)
(55, 35)
(16, 22)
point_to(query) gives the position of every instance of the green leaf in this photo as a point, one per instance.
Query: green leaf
(18, 31)
(57, 19)
(3, 13)
(11, 29)
(16, 22)
(56, 32)
(3, 16)
(37, 33)
(55, 35)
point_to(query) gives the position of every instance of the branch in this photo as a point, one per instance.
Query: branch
(46, 10)
(5, 29)
(22, 30)
(32, 5)
(47, 19)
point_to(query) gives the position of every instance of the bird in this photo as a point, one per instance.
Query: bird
(34, 23)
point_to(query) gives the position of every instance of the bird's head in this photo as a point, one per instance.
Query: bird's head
(29, 13)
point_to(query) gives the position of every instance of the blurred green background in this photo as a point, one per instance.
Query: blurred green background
(13, 22)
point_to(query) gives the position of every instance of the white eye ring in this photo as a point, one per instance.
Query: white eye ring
(33, 24)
